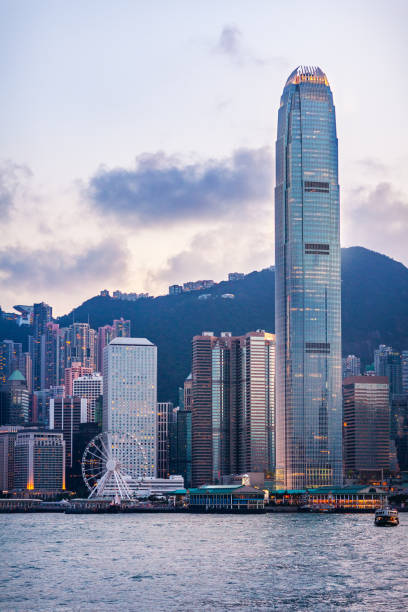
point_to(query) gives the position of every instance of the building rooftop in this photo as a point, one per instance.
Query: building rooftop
(132, 341)
(17, 375)
(303, 74)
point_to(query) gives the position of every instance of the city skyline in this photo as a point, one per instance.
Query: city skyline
(210, 153)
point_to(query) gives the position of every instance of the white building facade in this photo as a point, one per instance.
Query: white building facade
(130, 404)
(89, 387)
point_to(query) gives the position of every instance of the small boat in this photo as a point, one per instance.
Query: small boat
(386, 517)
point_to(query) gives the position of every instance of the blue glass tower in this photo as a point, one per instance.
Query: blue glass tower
(308, 285)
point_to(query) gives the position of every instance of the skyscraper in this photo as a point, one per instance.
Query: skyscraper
(42, 314)
(90, 387)
(307, 289)
(232, 404)
(130, 403)
(366, 426)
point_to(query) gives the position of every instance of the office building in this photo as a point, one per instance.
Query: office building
(164, 421)
(307, 285)
(380, 355)
(39, 461)
(89, 387)
(8, 434)
(366, 426)
(65, 416)
(130, 403)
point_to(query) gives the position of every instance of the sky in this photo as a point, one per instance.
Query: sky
(138, 137)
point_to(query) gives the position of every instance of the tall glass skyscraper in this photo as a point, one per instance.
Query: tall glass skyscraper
(308, 285)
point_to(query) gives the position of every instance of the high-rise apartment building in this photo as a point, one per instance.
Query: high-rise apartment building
(89, 387)
(351, 366)
(42, 315)
(121, 328)
(380, 355)
(130, 403)
(10, 358)
(307, 285)
(39, 462)
(366, 426)
(232, 405)
(104, 336)
(75, 371)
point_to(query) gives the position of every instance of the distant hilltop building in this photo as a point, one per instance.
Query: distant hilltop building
(234, 276)
(118, 295)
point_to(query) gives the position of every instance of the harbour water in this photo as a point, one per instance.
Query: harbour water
(210, 562)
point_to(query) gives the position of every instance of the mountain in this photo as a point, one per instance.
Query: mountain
(374, 311)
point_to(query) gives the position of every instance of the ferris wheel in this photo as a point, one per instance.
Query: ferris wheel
(108, 462)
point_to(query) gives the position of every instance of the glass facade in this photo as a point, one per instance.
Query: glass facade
(308, 285)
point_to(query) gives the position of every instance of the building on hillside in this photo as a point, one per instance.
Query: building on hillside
(39, 461)
(234, 276)
(366, 426)
(130, 403)
(307, 285)
(175, 289)
(89, 387)
(232, 405)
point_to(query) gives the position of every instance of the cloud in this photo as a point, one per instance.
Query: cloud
(162, 190)
(13, 178)
(239, 247)
(377, 219)
(230, 42)
(231, 45)
(22, 269)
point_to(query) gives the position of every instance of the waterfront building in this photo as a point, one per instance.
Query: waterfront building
(223, 497)
(164, 421)
(399, 428)
(184, 446)
(307, 285)
(351, 366)
(130, 403)
(8, 434)
(366, 426)
(39, 461)
(89, 387)
(232, 405)
(65, 416)
(75, 371)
